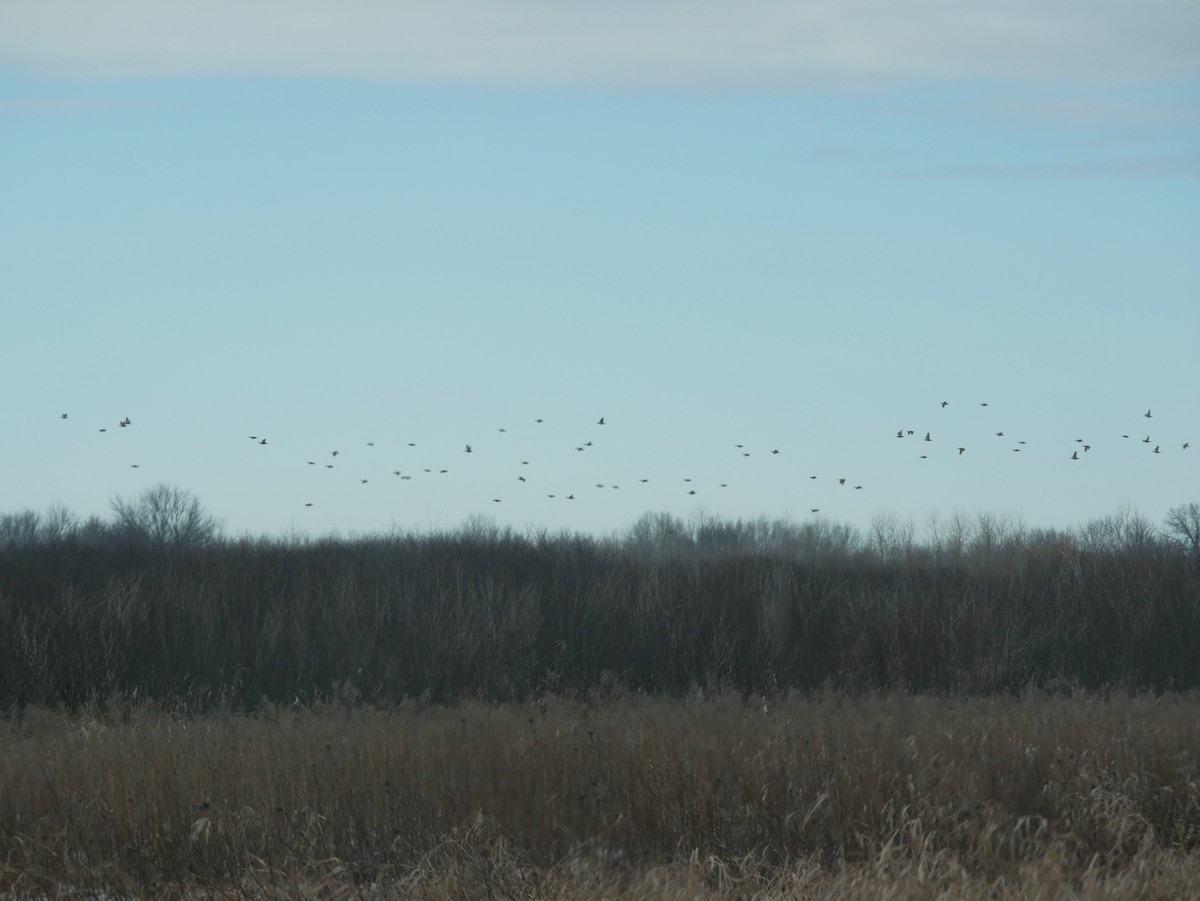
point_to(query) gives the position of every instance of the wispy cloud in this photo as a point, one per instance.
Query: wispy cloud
(1166, 166)
(706, 44)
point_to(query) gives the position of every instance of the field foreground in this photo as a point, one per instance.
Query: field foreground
(803, 796)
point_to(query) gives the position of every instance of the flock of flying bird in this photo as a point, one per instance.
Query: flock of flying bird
(1081, 446)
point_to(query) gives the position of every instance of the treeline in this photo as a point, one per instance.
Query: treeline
(157, 605)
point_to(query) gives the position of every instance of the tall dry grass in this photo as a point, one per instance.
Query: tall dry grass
(816, 796)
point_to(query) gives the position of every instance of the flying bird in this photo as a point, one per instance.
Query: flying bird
(1156, 450)
(927, 438)
(601, 421)
(1148, 414)
(961, 451)
(264, 441)
(468, 450)
(1075, 455)
(64, 416)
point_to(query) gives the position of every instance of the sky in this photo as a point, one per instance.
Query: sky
(393, 230)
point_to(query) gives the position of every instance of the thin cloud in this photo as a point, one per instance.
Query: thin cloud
(705, 44)
(1173, 166)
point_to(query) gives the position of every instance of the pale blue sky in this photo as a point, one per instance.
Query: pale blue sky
(789, 232)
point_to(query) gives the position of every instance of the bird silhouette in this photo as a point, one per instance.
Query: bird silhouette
(1146, 440)
(1156, 450)
(600, 421)
(468, 450)
(774, 451)
(333, 453)
(841, 481)
(1148, 414)
(1186, 445)
(927, 438)
(64, 416)
(1074, 455)
(961, 451)
(264, 441)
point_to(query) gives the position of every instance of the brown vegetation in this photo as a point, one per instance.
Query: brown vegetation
(801, 796)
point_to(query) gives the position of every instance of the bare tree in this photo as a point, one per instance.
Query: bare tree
(165, 516)
(1183, 524)
(20, 529)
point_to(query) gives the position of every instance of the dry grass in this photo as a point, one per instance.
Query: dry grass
(815, 796)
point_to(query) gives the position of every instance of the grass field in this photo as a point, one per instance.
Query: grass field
(819, 795)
